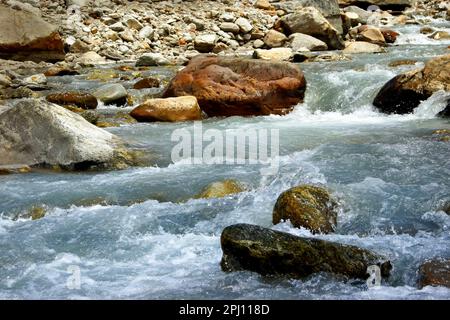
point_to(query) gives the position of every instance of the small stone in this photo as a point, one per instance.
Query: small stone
(118, 26)
(133, 24)
(127, 35)
(277, 54)
(274, 39)
(221, 189)
(263, 4)
(152, 59)
(146, 83)
(229, 27)
(146, 32)
(205, 43)
(244, 25)
(258, 44)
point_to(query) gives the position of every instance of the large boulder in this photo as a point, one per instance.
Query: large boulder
(36, 132)
(25, 36)
(328, 8)
(435, 273)
(169, 109)
(307, 206)
(310, 21)
(269, 252)
(238, 86)
(403, 93)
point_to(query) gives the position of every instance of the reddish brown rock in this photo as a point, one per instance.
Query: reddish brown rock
(146, 83)
(60, 71)
(79, 99)
(435, 273)
(389, 35)
(240, 87)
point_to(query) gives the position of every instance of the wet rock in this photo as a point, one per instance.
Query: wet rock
(307, 206)
(56, 71)
(146, 83)
(237, 86)
(426, 30)
(90, 116)
(403, 93)
(36, 79)
(5, 81)
(152, 59)
(275, 54)
(169, 109)
(19, 93)
(435, 273)
(300, 40)
(205, 43)
(269, 252)
(14, 169)
(440, 35)
(112, 94)
(274, 39)
(103, 75)
(26, 36)
(402, 62)
(79, 99)
(362, 47)
(35, 132)
(390, 36)
(370, 34)
(221, 189)
(311, 22)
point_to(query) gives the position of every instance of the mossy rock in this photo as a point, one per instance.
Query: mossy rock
(307, 206)
(221, 189)
(275, 253)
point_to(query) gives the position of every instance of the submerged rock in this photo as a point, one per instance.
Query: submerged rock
(169, 109)
(35, 132)
(240, 87)
(403, 93)
(269, 252)
(307, 206)
(221, 189)
(435, 273)
(26, 36)
(79, 99)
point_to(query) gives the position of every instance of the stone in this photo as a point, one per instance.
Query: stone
(111, 94)
(362, 47)
(238, 86)
(402, 62)
(229, 27)
(14, 169)
(103, 75)
(390, 36)
(127, 35)
(372, 35)
(244, 25)
(310, 21)
(26, 36)
(275, 54)
(300, 40)
(263, 4)
(132, 23)
(221, 189)
(435, 272)
(169, 109)
(80, 99)
(440, 35)
(146, 83)
(5, 81)
(90, 58)
(363, 15)
(146, 32)
(274, 39)
(307, 206)
(403, 93)
(258, 43)
(56, 71)
(398, 5)
(275, 253)
(152, 59)
(205, 43)
(36, 79)
(118, 26)
(35, 132)
(426, 30)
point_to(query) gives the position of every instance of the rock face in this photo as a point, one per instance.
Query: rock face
(307, 206)
(79, 99)
(35, 132)
(435, 273)
(25, 36)
(310, 21)
(240, 87)
(168, 109)
(403, 93)
(221, 189)
(269, 252)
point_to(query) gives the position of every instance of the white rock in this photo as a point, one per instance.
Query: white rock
(244, 25)
(152, 59)
(277, 54)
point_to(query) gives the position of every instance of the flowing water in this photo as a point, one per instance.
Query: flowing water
(138, 233)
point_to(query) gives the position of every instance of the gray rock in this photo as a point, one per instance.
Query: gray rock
(111, 94)
(244, 25)
(152, 59)
(363, 15)
(229, 27)
(118, 26)
(146, 32)
(35, 132)
(300, 40)
(269, 252)
(205, 43)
